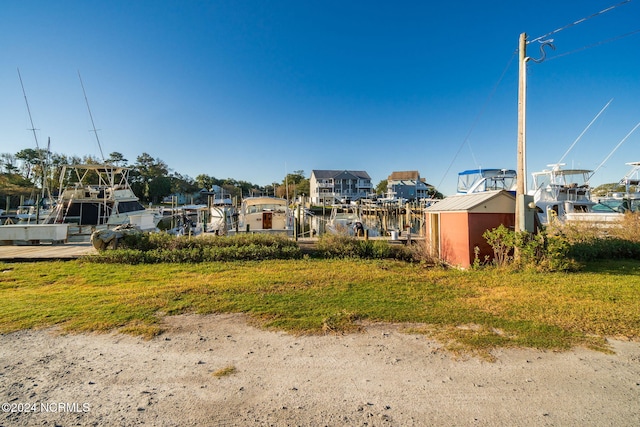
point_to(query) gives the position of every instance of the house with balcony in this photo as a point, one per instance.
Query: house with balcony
(408, 185)
(329, 187)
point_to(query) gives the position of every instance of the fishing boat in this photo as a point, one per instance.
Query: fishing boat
(480, 180)
(559, 193)
(346, 221)
(186, 220)
(265, 215)
(221, 214)
(99, 196)
(627, 200)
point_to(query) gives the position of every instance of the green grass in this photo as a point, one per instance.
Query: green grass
(467, 310)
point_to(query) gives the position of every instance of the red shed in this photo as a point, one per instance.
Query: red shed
(455, 225)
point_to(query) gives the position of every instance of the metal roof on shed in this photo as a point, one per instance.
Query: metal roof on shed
(467, 202)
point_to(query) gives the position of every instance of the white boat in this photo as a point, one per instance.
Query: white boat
(221, 214)
(480, 180)
(187, 220)
(560, 193)
(265, 215)
(345, 221)
(627, 200)
(99, 196)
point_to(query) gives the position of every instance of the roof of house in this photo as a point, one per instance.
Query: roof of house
(325, 174)
(404, 175)
(467, 202)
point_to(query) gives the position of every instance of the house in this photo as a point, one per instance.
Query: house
(330, 187)
(182, 198)
(408, 185)
(455, 225)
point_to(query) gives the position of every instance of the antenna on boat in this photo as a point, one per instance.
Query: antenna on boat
(33, 129)
(95, 131)
(585, 130)
(614, 150)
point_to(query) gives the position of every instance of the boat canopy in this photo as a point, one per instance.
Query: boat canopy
(480, 180)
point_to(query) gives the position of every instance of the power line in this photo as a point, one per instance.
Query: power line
(475, 121)
(579, 21)
(595, 44)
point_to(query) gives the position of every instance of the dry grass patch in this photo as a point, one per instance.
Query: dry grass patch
(225, 372)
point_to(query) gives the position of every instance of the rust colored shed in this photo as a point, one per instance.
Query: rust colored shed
(455, 225)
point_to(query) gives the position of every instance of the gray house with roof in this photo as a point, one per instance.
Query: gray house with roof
(338, 186)
(408, 185)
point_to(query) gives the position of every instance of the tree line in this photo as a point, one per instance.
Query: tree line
(24, 174)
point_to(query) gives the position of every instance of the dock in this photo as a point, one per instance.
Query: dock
(46, 252)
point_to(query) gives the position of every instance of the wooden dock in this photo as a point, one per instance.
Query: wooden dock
(51, 252)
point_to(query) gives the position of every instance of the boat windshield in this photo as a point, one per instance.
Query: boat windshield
(269, 207)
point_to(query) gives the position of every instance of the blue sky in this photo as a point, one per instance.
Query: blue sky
(253, 90)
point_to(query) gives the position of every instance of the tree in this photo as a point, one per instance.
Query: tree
(8, 163)
(205, 181)
(146, 170)
(382, 186)
(183, 184)
(30, 158)
(604, 189)
(293, 185)
(116, 159)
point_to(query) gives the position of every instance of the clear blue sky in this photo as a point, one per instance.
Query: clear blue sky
(254, 89)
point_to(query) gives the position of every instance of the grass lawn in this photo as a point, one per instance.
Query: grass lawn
(468, 310)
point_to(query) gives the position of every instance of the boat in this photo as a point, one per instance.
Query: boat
(265, 215)
(480, 180)
(99, 196)
(186, 220)
(561, 193)
(627, 200)
(345, 221)
(221, 214)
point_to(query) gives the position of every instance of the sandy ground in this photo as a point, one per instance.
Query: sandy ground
(382, 377)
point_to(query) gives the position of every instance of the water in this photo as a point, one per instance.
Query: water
(377, 225)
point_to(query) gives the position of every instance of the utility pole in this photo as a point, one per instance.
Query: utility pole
(521, 177)
(524, 202)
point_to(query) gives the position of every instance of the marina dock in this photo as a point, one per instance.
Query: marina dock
(46, 252)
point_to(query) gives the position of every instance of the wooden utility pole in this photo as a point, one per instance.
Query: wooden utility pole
(521, 178)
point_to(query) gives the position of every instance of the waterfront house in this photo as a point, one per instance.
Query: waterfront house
(408, 185)
(330, 187)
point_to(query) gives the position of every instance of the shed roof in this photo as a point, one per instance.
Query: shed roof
(469, 202)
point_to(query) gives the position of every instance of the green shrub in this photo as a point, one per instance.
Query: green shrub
(153, 248)
(503, 241)
(534, 251)
(344, 246)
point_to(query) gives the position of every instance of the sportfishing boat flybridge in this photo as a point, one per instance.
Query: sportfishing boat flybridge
(99, 195)
(560, 192)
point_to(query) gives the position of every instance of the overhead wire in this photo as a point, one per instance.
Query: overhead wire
(465, 141)
(579, 21)
(542, 39)
(594, 45)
